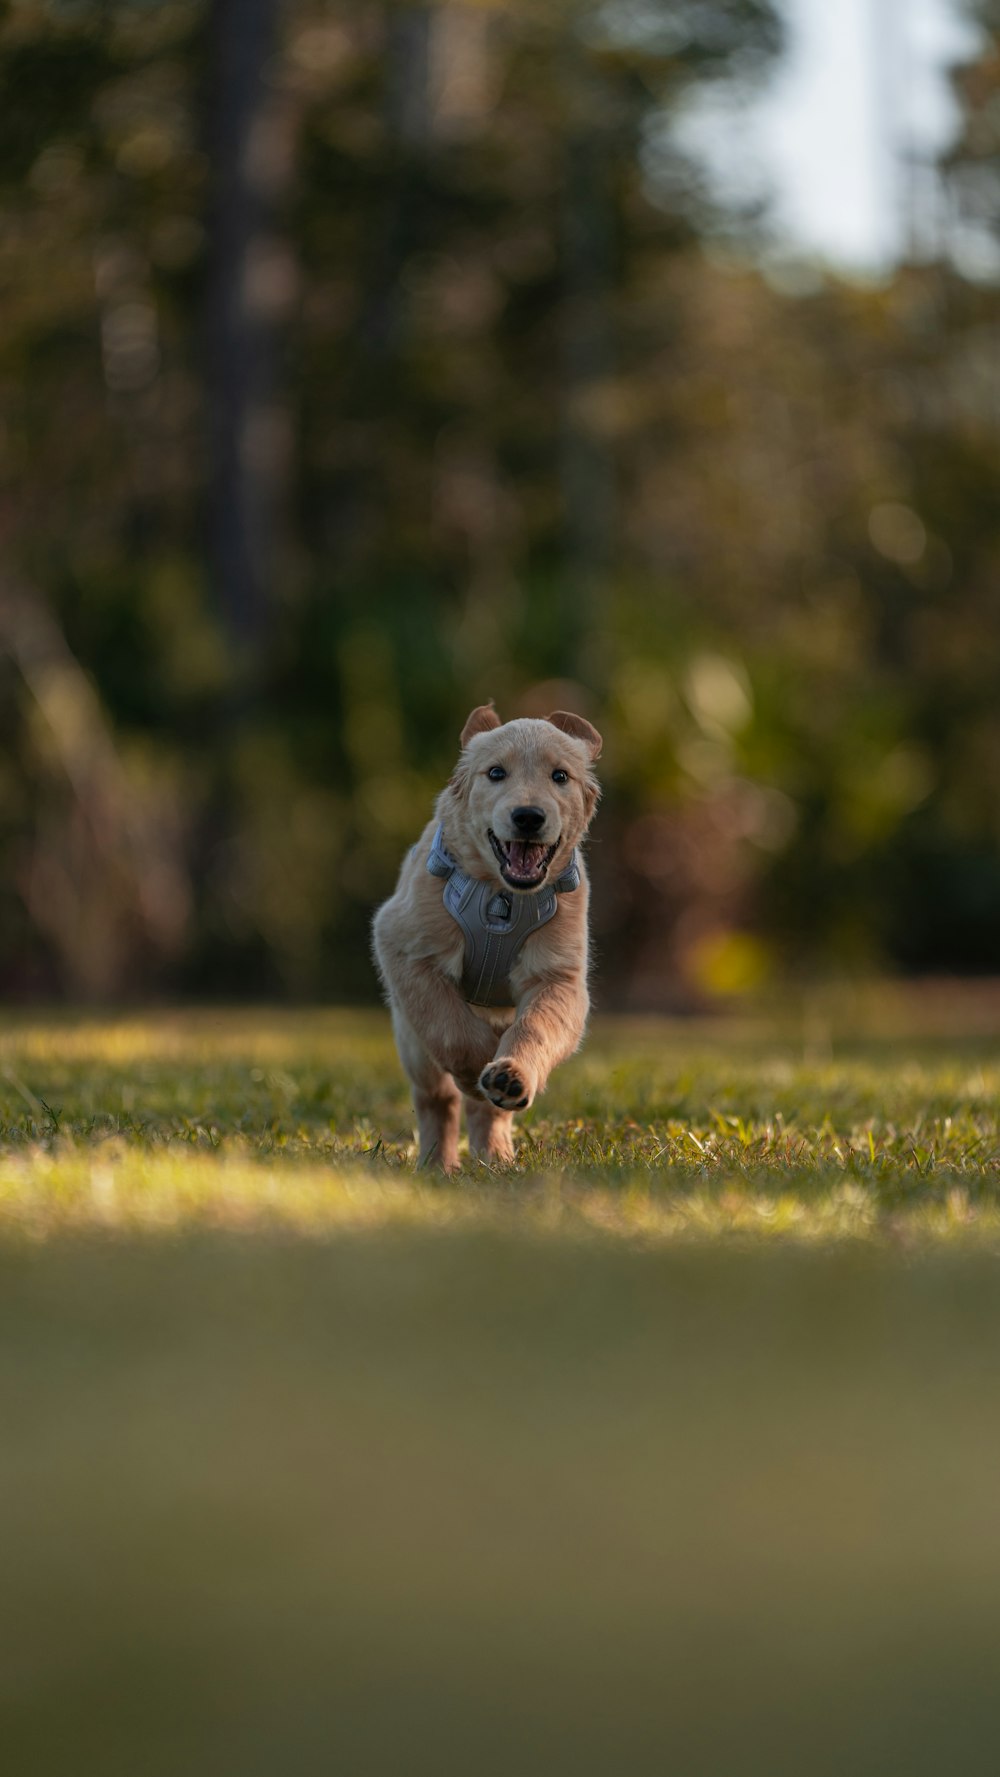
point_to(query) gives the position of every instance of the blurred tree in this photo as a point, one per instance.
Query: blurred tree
(96, 173)
(364, 361)
(250, 286)
(971, 164)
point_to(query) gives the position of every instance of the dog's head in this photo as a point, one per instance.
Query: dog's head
(522, 795)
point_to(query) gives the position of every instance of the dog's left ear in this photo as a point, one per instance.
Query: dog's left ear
(579, 729)
(479, 722)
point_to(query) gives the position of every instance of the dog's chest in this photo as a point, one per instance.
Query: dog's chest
(495, 925)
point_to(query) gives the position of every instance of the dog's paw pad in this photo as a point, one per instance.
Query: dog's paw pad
(505, 1089)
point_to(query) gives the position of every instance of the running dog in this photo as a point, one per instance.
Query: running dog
(483, 948)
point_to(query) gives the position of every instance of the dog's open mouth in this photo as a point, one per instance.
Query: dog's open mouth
(523, 862)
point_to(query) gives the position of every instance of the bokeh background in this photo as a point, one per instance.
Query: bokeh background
(362, 361)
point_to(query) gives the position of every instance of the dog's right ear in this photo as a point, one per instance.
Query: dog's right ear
(579, 728)
(480, 721)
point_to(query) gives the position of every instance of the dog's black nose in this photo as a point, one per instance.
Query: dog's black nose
(527, 820)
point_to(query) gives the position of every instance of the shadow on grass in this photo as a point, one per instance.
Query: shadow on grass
(394, 1503)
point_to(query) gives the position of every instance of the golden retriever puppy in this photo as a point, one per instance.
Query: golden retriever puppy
(483, 947)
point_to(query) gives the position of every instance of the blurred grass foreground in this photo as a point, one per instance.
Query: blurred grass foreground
(672, 1448)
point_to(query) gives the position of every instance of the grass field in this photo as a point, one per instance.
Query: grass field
(676, 1447)
(791, 1129)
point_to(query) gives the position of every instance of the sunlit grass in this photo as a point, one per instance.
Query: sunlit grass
(657, 1132)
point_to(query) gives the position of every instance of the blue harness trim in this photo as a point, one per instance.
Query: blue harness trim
(495, 924)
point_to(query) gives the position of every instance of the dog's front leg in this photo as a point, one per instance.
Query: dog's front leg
(452, 1034)
(549, 1026)
(490, 1131)
(436, 1099)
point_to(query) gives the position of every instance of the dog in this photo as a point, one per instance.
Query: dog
(483, 947)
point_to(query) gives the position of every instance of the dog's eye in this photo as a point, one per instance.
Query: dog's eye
(560, 777)
(496, 774)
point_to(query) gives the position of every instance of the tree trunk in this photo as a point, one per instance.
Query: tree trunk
(587, 466)
(250, 284)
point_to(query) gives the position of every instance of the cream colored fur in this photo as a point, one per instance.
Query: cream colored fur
(498, 1058)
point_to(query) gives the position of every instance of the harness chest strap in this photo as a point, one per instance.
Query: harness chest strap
(495, 924)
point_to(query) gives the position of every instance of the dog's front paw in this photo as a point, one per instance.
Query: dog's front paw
(507, 1085)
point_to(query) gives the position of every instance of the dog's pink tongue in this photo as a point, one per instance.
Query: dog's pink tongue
(524, 858)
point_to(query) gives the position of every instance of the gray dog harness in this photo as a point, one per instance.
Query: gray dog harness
(495, 923)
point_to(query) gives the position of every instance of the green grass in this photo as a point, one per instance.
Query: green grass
(672, 1449)
(657, 1132)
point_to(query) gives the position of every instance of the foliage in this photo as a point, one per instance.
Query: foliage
(519, 421)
